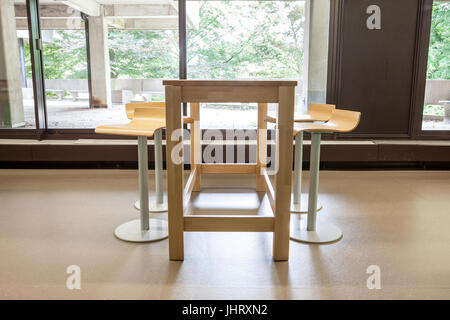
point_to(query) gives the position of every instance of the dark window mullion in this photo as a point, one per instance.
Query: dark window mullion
(37, 67)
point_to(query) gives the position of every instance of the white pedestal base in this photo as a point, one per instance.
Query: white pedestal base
(325, 232)
(131, 231)
(302, 208)
(153, 207)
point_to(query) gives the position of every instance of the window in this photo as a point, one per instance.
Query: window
(130, 50)
(65, 66)
(16, 87)
(245, 40)
(436, 112)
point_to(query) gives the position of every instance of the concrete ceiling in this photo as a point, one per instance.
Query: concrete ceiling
(120, 14)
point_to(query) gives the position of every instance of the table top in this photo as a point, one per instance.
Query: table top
(242, 83)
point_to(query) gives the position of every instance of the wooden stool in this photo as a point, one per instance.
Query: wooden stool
(160, 203)
(316, 112)
(146, 122)
(315, 232)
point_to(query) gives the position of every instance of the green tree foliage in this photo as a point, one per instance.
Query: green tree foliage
(247, 39)
(235, 39)
(64, 57)
(143, 54)
(439, 51)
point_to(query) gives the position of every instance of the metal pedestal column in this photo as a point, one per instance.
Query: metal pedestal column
(315, 231)
(160, 205)
(143, 229)
(299, 202)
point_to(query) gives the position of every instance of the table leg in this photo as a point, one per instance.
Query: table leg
(261, 146)
(196, 144)
(283, 176)
(174, 173)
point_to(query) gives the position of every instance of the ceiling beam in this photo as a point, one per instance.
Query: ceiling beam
(137, 11)
(48, 11)
(90, 7)
(53, 24)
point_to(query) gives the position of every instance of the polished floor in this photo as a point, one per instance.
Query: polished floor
(51, 219)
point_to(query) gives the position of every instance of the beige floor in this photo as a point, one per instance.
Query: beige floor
(51, 219)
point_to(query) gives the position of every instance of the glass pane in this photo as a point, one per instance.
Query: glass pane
(16, 86)
(65, 66)
(140, 60)
(132, 48)
(245, 40)
(436, 111)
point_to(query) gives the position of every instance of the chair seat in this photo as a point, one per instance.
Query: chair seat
(145, 121)
(144, 128)
(317, 112)
(340, 121)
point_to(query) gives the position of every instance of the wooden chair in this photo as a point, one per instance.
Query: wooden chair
(147, 120)
(316, 112)
(315, 232)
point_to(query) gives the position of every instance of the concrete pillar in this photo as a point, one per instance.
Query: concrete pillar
(100, 68)
(11, 101)
(316, 40)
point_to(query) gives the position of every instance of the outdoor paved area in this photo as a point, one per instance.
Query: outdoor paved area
(68, 114)
(76, 114)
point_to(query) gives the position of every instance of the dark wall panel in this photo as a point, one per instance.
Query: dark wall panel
(376, 66)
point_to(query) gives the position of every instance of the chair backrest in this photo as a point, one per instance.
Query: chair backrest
(157, 113)
(321, 111)
(344, 120)
(131, 107)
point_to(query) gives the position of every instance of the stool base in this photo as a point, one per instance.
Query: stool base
(302, 208)
(325, 232)
(131, 231)
(153, 207)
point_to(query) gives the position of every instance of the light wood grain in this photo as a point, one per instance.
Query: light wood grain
(174, 175)
(222, 83)
(196, 148)
(188, 188)
(130, 107)
(145, 122)
(229, 94)
(229, 168)
(316, 112)
(229, 223)
(261, 146)
(340, 121)
(269, 189)
(283, 176)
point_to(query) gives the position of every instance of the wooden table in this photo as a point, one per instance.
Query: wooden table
(279, 195)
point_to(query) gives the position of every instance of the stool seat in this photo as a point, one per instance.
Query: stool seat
(340, 121)
(316, 112)
(145, 121)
